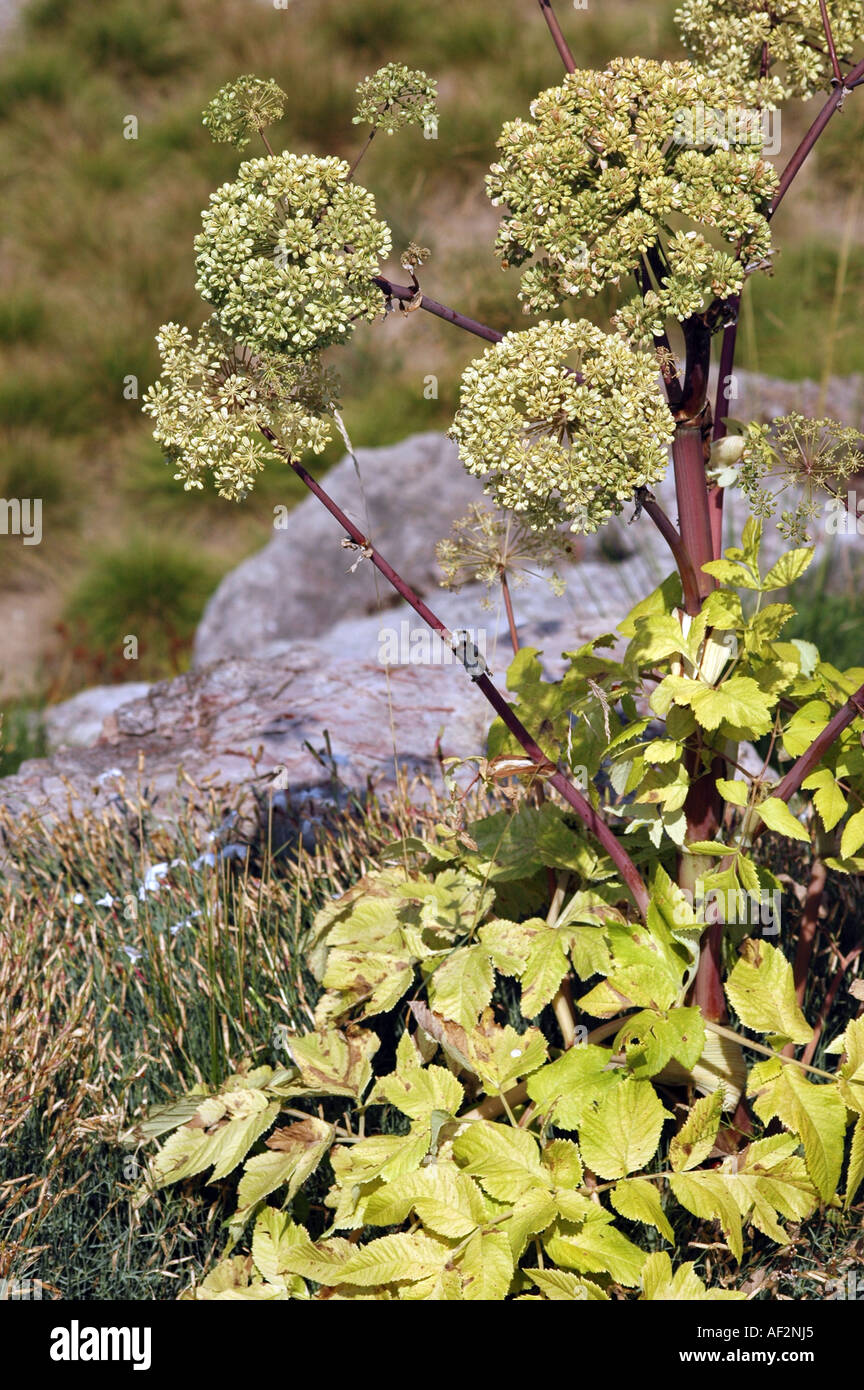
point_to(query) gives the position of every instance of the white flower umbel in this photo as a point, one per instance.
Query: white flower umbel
(286, 254)
(592, 180)
(243, 108)
(213, 398)
(567, 422)
(771, 49)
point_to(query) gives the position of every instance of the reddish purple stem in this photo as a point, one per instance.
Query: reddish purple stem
(590, 818)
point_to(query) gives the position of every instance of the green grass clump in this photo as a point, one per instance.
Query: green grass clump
(152, 590)
(22, 736)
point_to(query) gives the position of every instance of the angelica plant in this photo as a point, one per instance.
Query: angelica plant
(620, 896)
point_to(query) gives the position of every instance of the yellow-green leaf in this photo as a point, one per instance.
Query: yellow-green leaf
(388, 1259)
(546, 967)
(639, 1200)
(659, 1284)
(734, 792)
(761, 989)
(855, 1175)
(777, 816)
(559, 1286)
(828, 798)
(695, 1139)
(788, 568)
(294, 1153)
(419, 1091)
(487, 1266)
(333, 1062)
(595, 1248)
(706, 1195)
(565, 1089)
(621, 1134)
(462, 987)
(853, 835)
(817, 1114)
(506, 1161)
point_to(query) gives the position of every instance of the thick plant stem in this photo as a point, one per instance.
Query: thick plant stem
(558, 37)
(590, 818)
(689, 582)
(694, 519)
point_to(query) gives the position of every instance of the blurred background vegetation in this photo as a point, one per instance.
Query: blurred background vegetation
(96, 252)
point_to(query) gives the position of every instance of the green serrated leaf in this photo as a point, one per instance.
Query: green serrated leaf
(853, 835)
(788, 568)
(294, 1152)
(639, 1200)
(778, 817)
(462, 987)
(565, 1089)
(706, 1195)
(621, 1134)
(695, 1139)
(659, 1284)
(761, 989)
(817, 1114)
(505, 1161)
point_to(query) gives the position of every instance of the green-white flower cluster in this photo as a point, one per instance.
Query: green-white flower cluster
(593, 179)
(287, 252)
(394, 97)
(214, 398)
(745, 41)
(567, 421)
(243, 108)
(489, 545)
(809, 459)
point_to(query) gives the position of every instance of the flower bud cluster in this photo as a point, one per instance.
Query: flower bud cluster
(746, 41)
(243, 108)
(286, 254)
(214, 397)
(592, 180)
(567, 422)
(394, 97)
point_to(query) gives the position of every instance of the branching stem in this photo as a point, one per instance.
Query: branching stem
(441, 311)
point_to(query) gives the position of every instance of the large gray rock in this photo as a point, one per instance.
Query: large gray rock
(259, 725)
(77, 723)
(300, 584)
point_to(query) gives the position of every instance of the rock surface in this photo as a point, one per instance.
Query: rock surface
(77, 723)
(247, 724)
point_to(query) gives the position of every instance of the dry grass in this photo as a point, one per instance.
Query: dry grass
(104, 1011)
